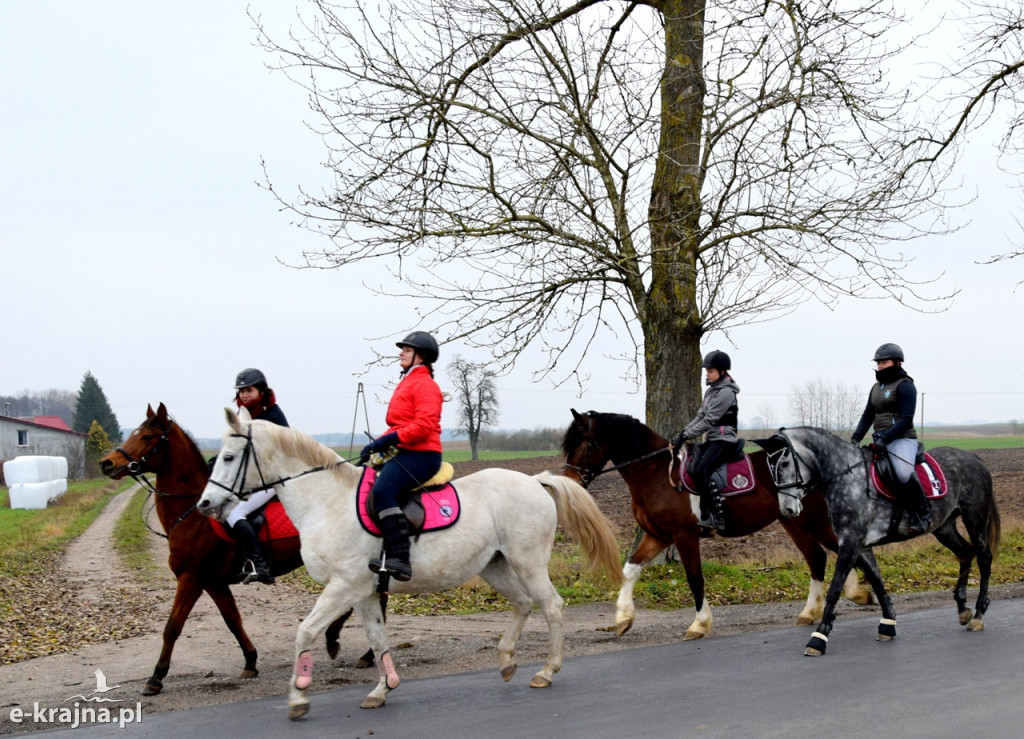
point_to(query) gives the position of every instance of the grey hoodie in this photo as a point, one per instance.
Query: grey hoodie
(718, 400)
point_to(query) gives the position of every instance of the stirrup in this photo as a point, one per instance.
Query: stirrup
(253, 575)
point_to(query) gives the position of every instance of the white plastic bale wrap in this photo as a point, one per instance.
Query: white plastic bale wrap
(35, 480)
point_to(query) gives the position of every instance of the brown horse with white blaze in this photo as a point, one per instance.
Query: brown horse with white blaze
(201, 560)
(667, 517)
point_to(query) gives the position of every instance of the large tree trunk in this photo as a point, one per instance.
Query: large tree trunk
(672, 327)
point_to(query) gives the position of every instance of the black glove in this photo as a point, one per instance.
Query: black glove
(378, 445)
(677, 443)
(855, 439)
(880, 439)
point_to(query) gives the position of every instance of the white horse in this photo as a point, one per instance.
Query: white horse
(505, 534)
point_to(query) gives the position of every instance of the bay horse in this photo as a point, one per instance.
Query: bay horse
(666, 516)
(504, 532)
(199, 558)
(810, 461)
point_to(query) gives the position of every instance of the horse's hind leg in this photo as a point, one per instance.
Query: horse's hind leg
(334, 631)
(225, 601)
(524, 587)
(185, 596)
(625, 610)
(950, 538)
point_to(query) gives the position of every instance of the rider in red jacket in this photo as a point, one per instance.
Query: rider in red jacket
(414, 430)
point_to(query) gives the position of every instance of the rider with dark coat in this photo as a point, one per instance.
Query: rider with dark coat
(717, 418)
(414, 431)
(253, 394)
(891, 405)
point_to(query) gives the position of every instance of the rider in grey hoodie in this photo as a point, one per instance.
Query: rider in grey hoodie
(717, 418)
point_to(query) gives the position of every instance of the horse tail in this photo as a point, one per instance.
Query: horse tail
(580, 515)
(995, 527)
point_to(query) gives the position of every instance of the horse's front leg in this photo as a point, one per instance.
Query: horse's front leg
(625, 609)
(844, 565)
(333, 601)
(186, 594)
(225, 601)
(688, 545)
(887, 626)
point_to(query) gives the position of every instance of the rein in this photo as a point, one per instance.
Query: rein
(784, 488)
(135, 471)
(587, 476)
(249, 452)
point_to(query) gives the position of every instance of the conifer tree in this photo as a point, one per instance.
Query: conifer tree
(96, 445)
(91, 405)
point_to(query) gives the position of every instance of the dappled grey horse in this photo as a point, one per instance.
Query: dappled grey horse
(806, 458)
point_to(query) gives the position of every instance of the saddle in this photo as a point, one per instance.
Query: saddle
(271, 523)
(928, 471)
(431, 507)
(735, 477)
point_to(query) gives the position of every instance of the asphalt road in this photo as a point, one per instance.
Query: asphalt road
(934, 680)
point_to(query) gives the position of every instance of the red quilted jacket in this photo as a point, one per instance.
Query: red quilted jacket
(415, 412)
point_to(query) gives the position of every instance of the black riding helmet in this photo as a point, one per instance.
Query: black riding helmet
(888, 351)
(251, 376)
(424, 344)
(717, 360)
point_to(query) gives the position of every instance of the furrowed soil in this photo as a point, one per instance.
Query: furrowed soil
(117, 618)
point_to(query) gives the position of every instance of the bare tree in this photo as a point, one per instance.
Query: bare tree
(477, 396)
(831, 407)
(644, 171)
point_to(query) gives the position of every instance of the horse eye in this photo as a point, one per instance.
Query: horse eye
(228, 457)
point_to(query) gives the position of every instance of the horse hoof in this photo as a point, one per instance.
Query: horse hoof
(508, 671)
(298, 711)
(693, 634)
(621, 629)
(152, 688)
(371, 702)
(332, 651)
(247, 673)
(886, 630)
(965, 617)
(976, 624)
(363, 663)
(804, 621)
(539, 681)
(816, 646)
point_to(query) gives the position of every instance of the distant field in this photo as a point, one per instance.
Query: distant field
(462, 455)
(975, 442)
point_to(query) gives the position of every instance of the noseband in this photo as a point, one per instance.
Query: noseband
(775, 459)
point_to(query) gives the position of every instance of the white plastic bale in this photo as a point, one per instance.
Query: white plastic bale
(32, 469)
(30, 495)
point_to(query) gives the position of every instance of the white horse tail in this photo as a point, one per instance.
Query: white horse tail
(583, 520)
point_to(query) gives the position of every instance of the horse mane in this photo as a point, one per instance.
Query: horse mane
(296, 444)
(631, 436)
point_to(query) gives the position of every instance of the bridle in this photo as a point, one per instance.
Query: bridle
(776, 457)
(249, 454)
(588, 475)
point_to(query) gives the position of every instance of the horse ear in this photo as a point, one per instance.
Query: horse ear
(244, 416)
(576, 415)
(233, 420)
(161, 412)
(149, 410)
(771, 444)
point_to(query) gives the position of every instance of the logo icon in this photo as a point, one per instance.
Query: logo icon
(101, 687)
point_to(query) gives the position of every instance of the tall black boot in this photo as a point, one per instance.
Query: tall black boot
(257, 567)
(396, 547)
(712, 502)
(920, 518)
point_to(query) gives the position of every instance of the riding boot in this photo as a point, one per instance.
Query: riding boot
(396, 548)
(712, 509)
(258, 566)
(920, 518)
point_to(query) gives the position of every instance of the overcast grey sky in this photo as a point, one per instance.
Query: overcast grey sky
(136, 245)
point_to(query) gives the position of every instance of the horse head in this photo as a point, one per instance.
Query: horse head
(584, 455)
(145, 448)
(790, 471)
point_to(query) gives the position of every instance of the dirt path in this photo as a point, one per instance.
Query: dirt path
(207, 661)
